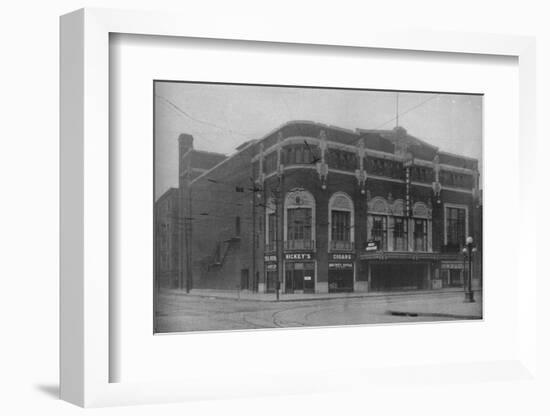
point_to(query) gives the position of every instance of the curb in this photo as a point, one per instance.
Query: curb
(366, 295)
(433, 315)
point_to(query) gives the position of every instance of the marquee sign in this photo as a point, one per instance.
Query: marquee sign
(371, 245)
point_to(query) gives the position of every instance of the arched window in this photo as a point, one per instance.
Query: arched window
(420, 209)
(378, 205)
(341, 222)
(299, 219)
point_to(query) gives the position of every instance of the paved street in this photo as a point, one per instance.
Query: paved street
(179, 312)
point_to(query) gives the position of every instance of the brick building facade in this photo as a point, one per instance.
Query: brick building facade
(322, 209)
(167, 239)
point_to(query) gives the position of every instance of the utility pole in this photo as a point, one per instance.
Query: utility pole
(189, 239)
(279, 225)
(469, 294)
(180, 222)
(254, 283)
(397, 110)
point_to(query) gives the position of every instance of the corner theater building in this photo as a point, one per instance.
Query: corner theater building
(313, 208)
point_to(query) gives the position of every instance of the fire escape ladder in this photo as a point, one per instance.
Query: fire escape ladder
(221, 251)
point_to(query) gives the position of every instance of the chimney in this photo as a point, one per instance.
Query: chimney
(185, 142)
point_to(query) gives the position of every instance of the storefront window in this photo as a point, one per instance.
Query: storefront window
(400, 234)
(270, 162)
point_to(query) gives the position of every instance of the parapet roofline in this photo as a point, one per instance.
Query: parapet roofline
(357, 132)
(227, 158)
(207, 152)
(458, 156)
(392, 132)
(166, 193)
(244, 146)
(313, 123)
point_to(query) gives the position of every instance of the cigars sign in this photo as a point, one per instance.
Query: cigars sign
(341, 257)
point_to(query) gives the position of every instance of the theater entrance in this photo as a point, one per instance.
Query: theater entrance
(398, 276)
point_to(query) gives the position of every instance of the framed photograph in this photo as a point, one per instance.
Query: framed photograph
(312, 223)
(276, 213)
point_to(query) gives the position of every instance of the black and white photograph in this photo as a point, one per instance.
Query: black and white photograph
(297, 206)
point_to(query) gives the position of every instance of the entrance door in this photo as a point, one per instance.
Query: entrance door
(455, 278)
(398, 276)
(294, 280)
(244, 279)
(300, 277)
(271, 281)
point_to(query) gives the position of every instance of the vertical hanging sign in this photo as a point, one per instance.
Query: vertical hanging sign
(408, 191)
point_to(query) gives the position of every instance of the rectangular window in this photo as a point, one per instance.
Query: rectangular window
(308, 154)
(164, 241)
(299, 224)
(270, 162)
(420, 234)
(400, 234)
(237, 226)
(456, 227)
(299, 154)
(378, 231)
(342, 160)
(340, 226)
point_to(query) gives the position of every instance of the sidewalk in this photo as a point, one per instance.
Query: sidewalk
(246, 295)
(440, 308)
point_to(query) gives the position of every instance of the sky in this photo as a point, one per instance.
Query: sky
(221, 117)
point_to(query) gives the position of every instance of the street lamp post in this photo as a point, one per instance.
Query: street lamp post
(464, 277)
(469, 293)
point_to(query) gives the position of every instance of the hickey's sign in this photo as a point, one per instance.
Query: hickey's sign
(298, 256)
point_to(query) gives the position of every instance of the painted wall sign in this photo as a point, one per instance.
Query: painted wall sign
(340, 266)
(298, 256)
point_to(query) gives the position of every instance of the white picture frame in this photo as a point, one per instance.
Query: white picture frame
(85, 355)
